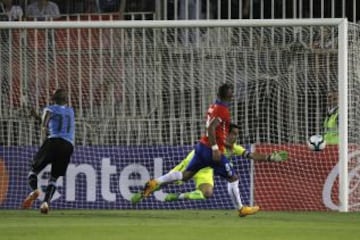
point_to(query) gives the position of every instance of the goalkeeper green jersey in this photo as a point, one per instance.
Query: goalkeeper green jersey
(331, 134)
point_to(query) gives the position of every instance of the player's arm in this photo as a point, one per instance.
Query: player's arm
(276, 156)
(211, 133)
(44, 123)
(259, 156)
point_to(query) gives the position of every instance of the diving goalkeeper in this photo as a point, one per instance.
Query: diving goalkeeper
(204, 178)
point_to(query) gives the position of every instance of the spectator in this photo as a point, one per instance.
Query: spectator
(10, 11)
(110, 6)
(90, 6)
(113, 6)
(193, 10)
(43, 10)
(80, 6)
(190, 10)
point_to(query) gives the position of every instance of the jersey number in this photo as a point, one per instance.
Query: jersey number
(63, 119)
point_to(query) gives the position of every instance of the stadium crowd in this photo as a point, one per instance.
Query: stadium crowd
(183, 9)
(28, 9)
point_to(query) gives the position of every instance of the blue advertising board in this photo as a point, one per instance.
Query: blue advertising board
(101, 177)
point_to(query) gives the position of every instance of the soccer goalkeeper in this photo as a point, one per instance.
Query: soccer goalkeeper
(204, 178)
(331, 121)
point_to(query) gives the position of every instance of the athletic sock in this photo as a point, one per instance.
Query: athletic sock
(169, 177)
(33, 181)
(50, 190)
(233, 190)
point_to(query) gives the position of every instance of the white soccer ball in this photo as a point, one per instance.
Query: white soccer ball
(316, 142)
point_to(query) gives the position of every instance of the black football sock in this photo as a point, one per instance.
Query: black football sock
(33, 181)
(50, 190)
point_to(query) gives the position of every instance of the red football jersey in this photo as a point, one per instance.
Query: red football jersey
(220, 111)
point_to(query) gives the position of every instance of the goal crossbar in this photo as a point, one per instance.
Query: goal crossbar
(173, 24)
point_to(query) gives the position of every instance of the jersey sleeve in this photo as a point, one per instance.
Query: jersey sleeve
(44, 113)
(238, 150)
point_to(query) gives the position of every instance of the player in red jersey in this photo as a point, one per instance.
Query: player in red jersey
(209, 152)
(217, 115)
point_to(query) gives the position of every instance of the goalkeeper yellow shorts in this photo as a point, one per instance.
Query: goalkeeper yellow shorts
(204, 176)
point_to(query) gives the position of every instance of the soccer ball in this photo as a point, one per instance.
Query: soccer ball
(316, 142)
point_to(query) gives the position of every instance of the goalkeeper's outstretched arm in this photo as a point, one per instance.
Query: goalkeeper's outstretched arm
(237, 150)
(276, 156)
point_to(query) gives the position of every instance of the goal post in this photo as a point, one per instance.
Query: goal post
(140, 90)
(343, 115)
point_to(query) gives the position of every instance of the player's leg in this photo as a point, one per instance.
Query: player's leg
(199, 167)
(49, 192)
(233, 190)
(204, 182)
(137, 197)
(30, 198)
(170, 177)
(62, 151)
(198, 194)
(243, 210)
(39, 162)
(195, 165)
(226, 170)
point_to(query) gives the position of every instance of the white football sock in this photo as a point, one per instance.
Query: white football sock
(170, 177)
(233, 190)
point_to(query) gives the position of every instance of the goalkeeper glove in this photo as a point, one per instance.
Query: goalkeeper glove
(278, 156)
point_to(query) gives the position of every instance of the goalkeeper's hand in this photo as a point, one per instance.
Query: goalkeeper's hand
(278, 156)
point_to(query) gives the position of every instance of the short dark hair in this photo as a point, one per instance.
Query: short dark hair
(223, 89)
(59, 96)
(232, 126)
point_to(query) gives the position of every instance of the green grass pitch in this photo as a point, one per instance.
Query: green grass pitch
(176, 225)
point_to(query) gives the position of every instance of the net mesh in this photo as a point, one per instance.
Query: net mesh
(140, 96)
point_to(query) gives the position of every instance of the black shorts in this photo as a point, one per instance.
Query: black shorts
(54, 151)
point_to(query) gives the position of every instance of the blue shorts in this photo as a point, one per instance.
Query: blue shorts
(203, 158)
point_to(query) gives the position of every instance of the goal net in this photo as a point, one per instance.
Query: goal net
(140, 91)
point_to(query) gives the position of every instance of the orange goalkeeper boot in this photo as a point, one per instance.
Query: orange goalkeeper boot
(150, 187)
(27, 203)
(247, 210)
